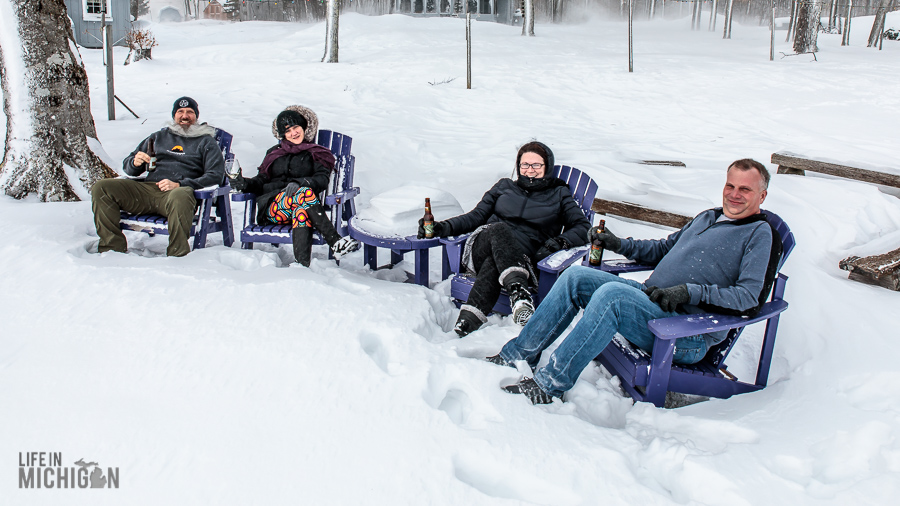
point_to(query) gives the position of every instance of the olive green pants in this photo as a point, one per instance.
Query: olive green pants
(137, 197)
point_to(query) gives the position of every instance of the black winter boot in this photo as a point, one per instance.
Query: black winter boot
(340, 246)
(532, 390)
(469, 321)
(521, 303)
(515, 282)
(301, 237)
(498, 360)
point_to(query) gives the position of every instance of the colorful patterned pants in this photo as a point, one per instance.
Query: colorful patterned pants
(292, 208)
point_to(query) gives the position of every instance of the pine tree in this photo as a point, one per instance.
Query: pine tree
(139, 8)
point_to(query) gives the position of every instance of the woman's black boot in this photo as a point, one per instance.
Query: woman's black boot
(340, 246)
(301, 237)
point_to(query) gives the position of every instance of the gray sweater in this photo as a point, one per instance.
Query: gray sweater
(190, 158)
(723, 263)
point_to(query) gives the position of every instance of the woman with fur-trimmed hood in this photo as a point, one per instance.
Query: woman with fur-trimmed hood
(518, 222)
(291, 176)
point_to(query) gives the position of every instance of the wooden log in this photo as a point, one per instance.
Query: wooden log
(882, 270)
(673, 163)
(639, 212)
(790, 164)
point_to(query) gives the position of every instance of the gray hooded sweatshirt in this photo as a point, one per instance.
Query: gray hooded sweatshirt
(189, 157)
(722, 262)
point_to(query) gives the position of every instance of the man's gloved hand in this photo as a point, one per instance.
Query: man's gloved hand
(669, 298)
(291, 189)
(607, 239)
(440, 229)
(239, 184)
(550, 247)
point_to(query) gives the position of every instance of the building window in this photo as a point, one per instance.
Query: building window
(92, 9)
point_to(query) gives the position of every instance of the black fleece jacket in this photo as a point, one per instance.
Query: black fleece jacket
(292, 168)
(536, 209)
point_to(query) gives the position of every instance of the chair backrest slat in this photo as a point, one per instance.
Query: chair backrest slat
(583, 188)
(721, 350)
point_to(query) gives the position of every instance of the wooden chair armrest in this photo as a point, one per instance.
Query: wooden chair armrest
(561, 260)
(621, 266)
(206, 193)
(458, 240)
(452, 253)
(341, 196)
(696, 324)
(242, 197)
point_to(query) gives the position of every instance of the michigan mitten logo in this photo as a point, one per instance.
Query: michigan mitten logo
(46, 470)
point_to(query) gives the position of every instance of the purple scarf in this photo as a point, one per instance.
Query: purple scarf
(320, 154)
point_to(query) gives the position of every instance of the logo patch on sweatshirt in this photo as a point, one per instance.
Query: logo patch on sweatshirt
(177, 149)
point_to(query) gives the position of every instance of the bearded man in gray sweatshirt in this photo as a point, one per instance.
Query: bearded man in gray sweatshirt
(187, 158)
(723, 261)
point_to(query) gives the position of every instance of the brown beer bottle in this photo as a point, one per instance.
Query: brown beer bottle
(429, 220)
(151, 152)
(596, 256)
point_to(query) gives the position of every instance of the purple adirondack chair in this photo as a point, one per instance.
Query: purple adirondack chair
(338, 198)
(648, 377)
(549, 269)
(204, 221)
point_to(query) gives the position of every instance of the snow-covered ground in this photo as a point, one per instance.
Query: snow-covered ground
(235, 377)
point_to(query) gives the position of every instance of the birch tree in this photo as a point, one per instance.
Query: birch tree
(49, 128)
(878, 23)
(807, 28)
(332, 15)
(528, 19)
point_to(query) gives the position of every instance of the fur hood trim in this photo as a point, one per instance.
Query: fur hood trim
(195, 130)
(312, 123)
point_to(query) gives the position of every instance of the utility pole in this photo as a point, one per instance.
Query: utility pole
(106, 33)
(468, 50)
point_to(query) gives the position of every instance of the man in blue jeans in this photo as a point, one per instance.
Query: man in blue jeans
(723, 261)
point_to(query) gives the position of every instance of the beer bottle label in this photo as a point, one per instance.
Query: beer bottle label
(429, 229)
(152, 165)
(596, 255)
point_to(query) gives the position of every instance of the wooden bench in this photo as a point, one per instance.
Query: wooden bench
(880, 270)
(640, 213)
(790, 163)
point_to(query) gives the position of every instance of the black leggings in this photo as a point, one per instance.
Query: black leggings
(495, 250)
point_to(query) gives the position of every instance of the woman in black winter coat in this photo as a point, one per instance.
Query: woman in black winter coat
(517, 223)
(291, 175)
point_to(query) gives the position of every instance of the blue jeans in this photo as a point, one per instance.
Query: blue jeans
(611, 304)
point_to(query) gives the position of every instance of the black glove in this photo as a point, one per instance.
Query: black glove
(669, 298)
(440, 229)
(291, 189)
(239, 184)
(606, 239)
(550, 247)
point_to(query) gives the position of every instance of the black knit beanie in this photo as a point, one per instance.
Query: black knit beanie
(287, 119)
(188, 102)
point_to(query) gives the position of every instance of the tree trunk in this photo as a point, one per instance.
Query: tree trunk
(47, 105)
(878, 24)
(528, 21)
(729, 11)
(807, 31)
(845, 37)
(793, 22)
(832, 16)
(332, 15)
